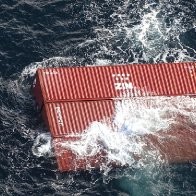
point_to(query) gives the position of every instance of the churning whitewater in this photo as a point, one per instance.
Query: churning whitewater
(120, 137)
(42, 33)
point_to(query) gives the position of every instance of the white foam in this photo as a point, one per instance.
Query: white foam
(148, 39)
(30, 70)
(42, 145)
(102, 62)
(140, 116)
(100, 136)
(120, 138)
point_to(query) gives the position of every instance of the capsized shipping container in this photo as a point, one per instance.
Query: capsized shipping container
(175, 146)
(70, 99)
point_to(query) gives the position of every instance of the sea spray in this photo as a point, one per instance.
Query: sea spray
(120, 137)
(31, 32)
(42, 145)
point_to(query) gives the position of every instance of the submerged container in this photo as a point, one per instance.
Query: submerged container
(70, 99)
(67, 160)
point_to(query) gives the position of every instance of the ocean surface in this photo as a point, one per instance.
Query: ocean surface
(53, 33)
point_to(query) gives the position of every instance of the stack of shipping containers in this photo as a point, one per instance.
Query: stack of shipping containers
(70, 99)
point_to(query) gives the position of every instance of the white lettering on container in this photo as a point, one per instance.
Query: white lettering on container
(122, 81)
(59, 116)
(123, 86)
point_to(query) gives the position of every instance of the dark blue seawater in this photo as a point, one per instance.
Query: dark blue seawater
(43, 33)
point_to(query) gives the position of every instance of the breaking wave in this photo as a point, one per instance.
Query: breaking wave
(148, 32)
(121, 136)
(104, 33)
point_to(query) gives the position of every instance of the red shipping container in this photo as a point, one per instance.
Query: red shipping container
(111, 82)
(72, 98)
(70, 119)
(69, 161)
(176, 146)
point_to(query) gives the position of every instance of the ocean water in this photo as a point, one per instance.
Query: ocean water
(53, 33)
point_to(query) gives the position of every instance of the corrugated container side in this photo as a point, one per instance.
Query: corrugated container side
(72, 118)
(107, 82)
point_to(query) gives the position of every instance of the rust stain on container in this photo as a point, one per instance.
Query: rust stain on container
(71, 98)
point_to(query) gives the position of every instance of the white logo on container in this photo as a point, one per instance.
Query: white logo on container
(122, 81)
